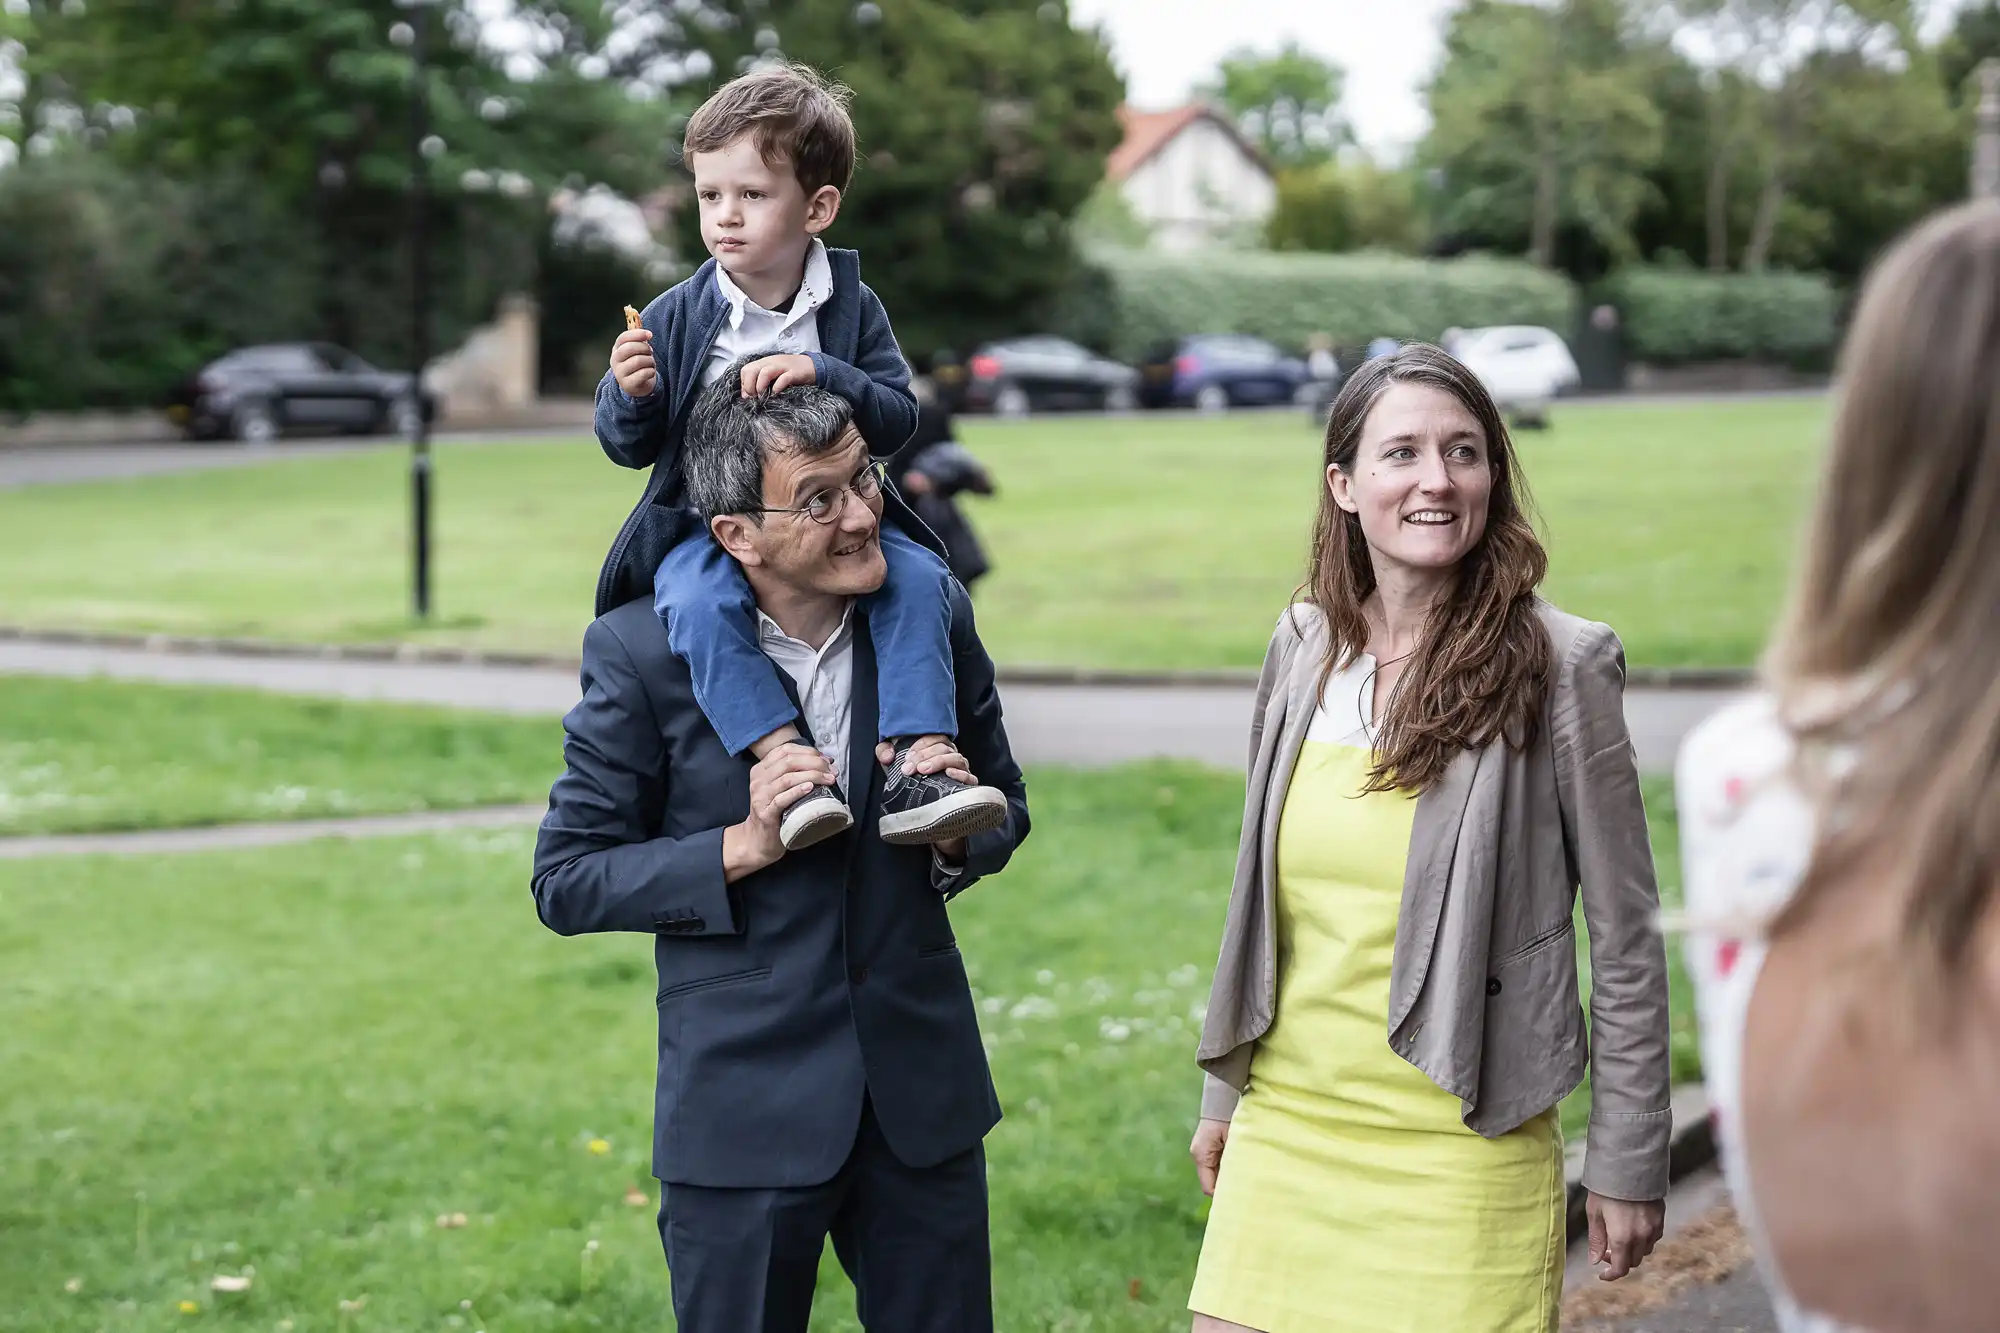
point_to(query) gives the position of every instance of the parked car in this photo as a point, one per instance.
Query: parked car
(1215, 371)
(1022, 375)
(1522, 366)
(257, 393)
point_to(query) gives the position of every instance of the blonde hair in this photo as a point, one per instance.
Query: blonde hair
(1886, 665)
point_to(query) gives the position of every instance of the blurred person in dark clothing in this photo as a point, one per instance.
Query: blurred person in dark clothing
(933, 469)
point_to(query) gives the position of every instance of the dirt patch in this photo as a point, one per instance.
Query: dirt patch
(1707, 1250)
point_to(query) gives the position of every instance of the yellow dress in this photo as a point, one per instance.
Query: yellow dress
(1352, 1196)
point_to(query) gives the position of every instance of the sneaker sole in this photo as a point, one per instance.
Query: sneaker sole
(974, 810)
(815, 828)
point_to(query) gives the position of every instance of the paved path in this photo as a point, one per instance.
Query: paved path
(1062, 724)
(220, 836)
(59, 464)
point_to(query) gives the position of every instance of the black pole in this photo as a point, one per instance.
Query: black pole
(420, 312)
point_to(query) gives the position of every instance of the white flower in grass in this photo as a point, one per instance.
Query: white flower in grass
(1045, 978)
(1112, 1029)
(73, 1286)
(1184, 975)
(224, 1282)
(993, 1004)
(1035, 1006)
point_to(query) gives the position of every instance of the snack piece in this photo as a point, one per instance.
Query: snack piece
(631, 318)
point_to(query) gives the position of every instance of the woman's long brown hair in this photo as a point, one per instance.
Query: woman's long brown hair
(1481, 670)
(1886, 666)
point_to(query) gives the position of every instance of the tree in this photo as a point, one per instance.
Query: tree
(1540, 128)
(1974, 39)
(1764, 55)
(983, 128)
(1346, 206)
(1288, 104)
(311, 101)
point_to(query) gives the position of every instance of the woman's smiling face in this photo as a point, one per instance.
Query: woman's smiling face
(1419, 481)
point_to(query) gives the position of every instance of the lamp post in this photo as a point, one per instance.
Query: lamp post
(1986, 146)
(418, 38)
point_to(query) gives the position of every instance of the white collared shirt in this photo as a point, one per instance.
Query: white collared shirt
(825, 680)
(752, 330)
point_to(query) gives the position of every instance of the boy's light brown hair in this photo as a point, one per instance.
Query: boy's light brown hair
(795, 116)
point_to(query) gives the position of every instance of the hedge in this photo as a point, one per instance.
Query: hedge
(1674, 315)
(1137, 299)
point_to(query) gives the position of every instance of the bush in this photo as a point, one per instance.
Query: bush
(1674, 316)
(1153, 296)
(112, 287)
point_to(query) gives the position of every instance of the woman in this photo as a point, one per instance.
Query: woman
(1842, 835)
(1437, 756)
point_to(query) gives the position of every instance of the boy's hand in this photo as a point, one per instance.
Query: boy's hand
(632, 363)
(773, 373)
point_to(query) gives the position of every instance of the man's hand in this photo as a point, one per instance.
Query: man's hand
(935, 754)
(777, 783)
(1210, 1138)
(1622, 1233)
(632, 363)
(932, 754)
(772, 373)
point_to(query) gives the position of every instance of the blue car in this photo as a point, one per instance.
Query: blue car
(1214, 371)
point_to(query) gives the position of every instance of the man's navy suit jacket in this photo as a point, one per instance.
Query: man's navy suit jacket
(787, 997)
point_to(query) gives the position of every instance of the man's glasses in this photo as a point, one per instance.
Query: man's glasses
(825, 506)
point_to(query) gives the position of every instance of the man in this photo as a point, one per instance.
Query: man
(820, 1065)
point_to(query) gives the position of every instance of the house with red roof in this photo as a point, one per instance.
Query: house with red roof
(1191, 176)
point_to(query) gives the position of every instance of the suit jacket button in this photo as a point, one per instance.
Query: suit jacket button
(1492, 986)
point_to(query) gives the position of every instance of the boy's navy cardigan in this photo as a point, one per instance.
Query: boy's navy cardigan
(858, 359)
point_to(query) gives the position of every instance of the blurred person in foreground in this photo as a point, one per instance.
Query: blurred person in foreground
(933, 470)
(1438, 758)
(1841, 835)
(820, 1068)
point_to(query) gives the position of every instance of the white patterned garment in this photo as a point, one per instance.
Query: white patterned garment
(1746, 836)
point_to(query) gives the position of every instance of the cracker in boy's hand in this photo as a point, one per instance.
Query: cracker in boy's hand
(631, 318)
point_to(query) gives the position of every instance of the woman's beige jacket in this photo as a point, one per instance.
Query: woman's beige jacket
(1483, 991)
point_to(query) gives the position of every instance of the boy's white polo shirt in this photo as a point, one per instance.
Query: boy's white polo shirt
(751, 330)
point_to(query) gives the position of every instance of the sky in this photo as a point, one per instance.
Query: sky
(1387, 48)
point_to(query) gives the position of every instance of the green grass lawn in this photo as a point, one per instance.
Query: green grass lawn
(1168, 541)
(295, 1061)
(79, 756)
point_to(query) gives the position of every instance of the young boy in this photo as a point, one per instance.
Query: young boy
(770, 154)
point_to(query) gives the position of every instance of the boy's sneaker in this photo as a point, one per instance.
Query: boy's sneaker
(815, 817)
(930, 807)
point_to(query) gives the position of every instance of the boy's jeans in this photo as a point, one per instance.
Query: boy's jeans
(712, 626)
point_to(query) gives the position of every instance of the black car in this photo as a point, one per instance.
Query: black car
(1221, 370)
(1022, 375)
(257, 393)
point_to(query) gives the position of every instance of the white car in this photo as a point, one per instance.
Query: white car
(1522, 366)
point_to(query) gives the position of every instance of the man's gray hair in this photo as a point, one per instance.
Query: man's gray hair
(730, 438)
